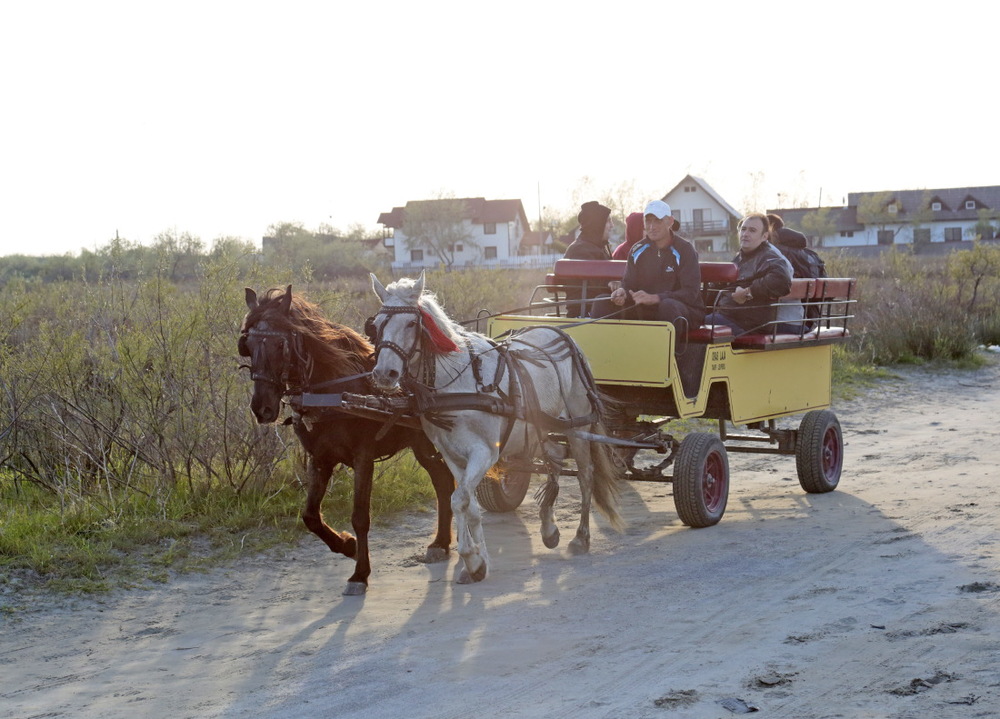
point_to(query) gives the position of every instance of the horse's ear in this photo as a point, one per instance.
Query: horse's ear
(420, 283)
(378, 288)
(251, 298)
(286, 300)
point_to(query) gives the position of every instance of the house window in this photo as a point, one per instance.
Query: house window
(893, 208)
(489, 228)
(921, 235)
(885, 237)
(936, 206)
(457, 247)
(952, 234)
(490, 253)
(699, 217)
(703, 245)
(416, 255)
(970, 204)
(847, 233)
(690, 188)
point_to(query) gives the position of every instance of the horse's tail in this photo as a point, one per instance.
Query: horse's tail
(606, 480)
(606, 475)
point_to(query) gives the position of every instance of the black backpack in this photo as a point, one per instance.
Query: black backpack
(805, 261)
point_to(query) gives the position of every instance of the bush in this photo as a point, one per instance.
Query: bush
(909, 310)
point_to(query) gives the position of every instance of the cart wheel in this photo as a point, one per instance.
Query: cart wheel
(701, 480)
(502, 490)
(819, 452)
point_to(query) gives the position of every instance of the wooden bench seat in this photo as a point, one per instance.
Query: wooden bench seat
(764, 340)
(710, 333)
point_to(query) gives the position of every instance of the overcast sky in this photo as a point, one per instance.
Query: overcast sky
(222, 118)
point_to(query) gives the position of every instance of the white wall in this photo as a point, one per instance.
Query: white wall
(688, 202)
(712, 212)
(507, 240)
(904, 234)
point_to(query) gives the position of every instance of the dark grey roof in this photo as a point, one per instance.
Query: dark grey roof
(845, 218)
(953, 201)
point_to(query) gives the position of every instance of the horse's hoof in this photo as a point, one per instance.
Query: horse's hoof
(355, 589)
(465, 577)
(579, 546)
(435, 555)
(552, 540)
(350, 547)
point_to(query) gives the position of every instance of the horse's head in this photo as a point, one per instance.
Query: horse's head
(268, 342)
(397, 329)
(410, 325)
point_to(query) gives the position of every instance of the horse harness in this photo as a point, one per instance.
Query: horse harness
(519, 402)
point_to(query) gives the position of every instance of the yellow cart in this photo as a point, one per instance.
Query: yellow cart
(653, 376)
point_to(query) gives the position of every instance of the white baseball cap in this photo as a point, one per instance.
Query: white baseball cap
(660, 209)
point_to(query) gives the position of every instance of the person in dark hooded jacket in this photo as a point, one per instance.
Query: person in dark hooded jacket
(595, 230)
(592, 244)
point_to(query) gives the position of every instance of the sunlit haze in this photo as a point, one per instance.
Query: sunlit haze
(222, 118)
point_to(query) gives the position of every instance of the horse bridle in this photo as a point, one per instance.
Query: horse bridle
(290, 342)
(381, 342)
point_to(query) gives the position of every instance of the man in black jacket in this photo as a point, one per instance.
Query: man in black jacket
(662, 278)
(764, 276)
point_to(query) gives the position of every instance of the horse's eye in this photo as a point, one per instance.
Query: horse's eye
(371, 331)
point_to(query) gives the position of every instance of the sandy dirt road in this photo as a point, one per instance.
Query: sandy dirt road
(881, 599)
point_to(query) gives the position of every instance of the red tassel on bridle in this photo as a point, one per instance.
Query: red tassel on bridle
(441, 342)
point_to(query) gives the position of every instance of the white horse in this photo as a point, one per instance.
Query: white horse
(468, 389)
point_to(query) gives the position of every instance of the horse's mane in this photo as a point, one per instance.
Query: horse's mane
(405, 289)
(336, 347)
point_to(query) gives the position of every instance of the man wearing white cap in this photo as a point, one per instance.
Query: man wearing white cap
(662, 278)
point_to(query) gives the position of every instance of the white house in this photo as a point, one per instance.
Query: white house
(491, 232)
(901, 217)
(706, 219)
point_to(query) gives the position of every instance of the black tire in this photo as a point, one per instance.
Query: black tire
(701, 480)
(502, 490)
(819, 452)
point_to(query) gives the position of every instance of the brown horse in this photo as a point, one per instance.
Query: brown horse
(294, 349)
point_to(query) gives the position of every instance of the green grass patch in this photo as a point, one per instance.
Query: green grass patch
(78, 546)
(851, 375)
